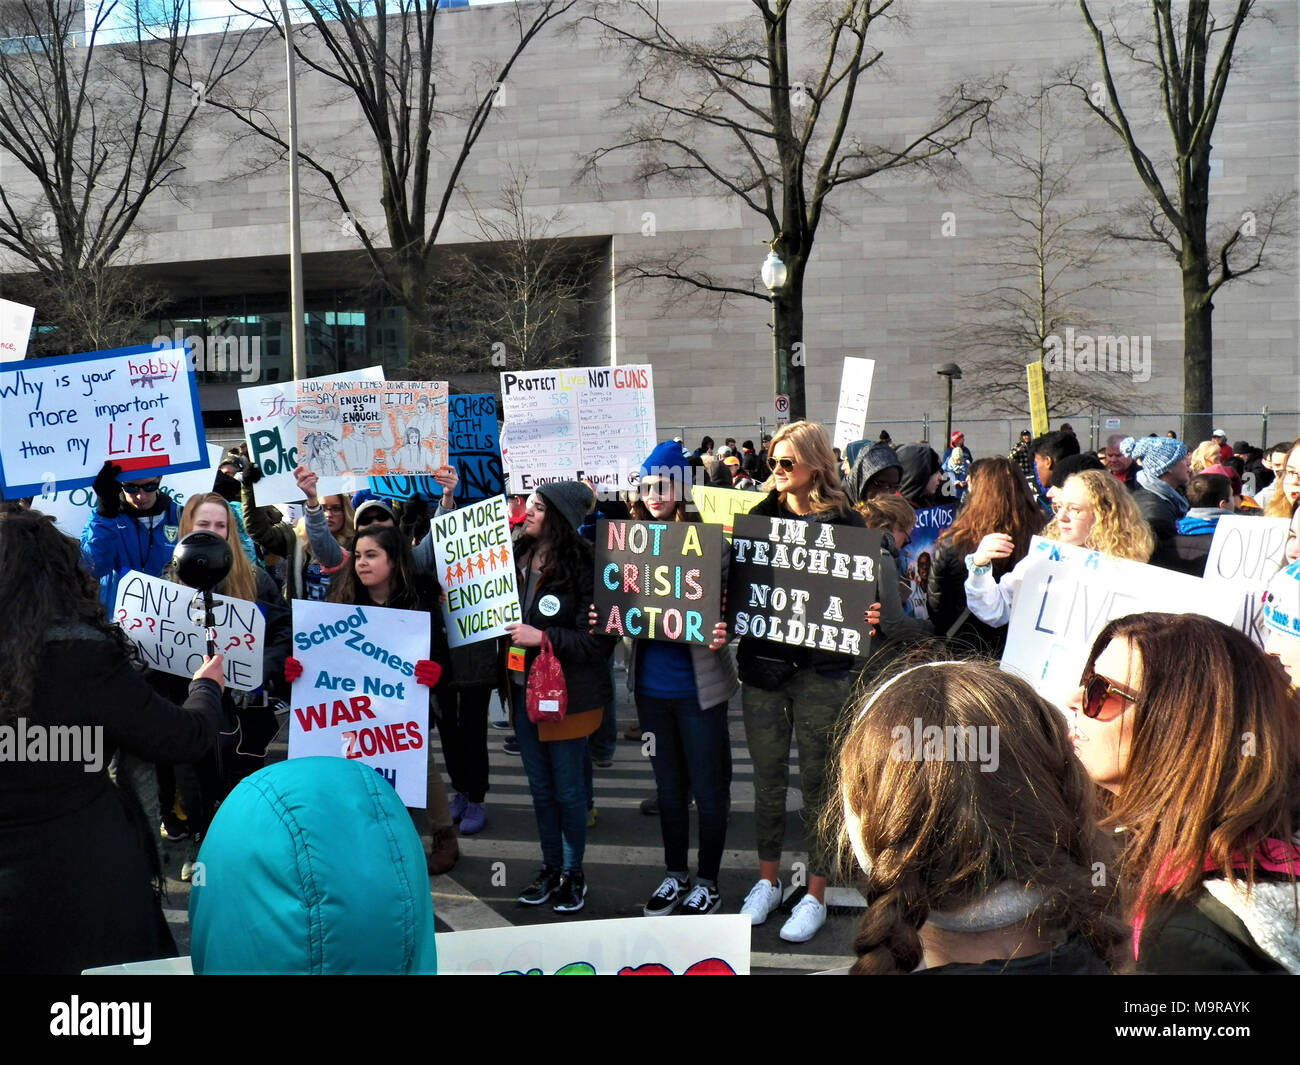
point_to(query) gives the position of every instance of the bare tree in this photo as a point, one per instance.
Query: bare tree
(90, 128)
(385, 55)
(741, 113)
(1184, 58)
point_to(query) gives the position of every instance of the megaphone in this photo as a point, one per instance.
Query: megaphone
(203, 559)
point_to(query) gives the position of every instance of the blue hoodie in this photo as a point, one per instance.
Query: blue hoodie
(312, 866)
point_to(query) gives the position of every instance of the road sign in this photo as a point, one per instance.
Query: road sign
(1112, 423)
(783, 404)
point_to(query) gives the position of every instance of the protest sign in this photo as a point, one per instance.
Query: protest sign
(475, 561)
(802, 582)
(61, 418)
(1037, 397)
(719, 506)
(1245, 554)
(472, 450)
(165, 622)
(357, 696)
(918, 556)
(666, 946)
(1067, 596)
(855, 394)
(15, 329)
(372, 428)
(270, 414)
(565, 425)
(659, 580)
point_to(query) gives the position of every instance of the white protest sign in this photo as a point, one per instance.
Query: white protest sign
(372, 428)
(357, 696)
(1245, 554)
(271, 429)
(60, 419)
(15, 328)
(564, 425)
(717, 945)
(1069, 594)
(165, 622)
(475, 562)
(855, 394)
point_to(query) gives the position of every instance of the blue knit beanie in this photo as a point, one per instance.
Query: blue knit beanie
(1158, 453)
(667, 460)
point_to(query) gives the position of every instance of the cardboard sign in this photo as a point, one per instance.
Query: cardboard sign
(802, 583)
(357, 696)
(15, 330)
(855, 394)
(372, 428)
(1037, 397)
(1069, 594)
(666, 946)
(60, 419)
(270, 414)
(165, 622)
(918, 556)
(472, 450)
(475, 562)
(1245, 554)
(719, 506)
(565, 425)
(659, 580)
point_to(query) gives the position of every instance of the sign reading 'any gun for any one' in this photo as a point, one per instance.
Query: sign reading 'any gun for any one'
(802, 583)
(659, 580)
(475, 562)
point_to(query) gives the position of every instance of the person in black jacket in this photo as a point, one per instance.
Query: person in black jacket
(77, 859)
(1165, 472)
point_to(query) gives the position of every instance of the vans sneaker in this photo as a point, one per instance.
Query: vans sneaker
(571, 895)
(542, 888)
(666, 897)
(702, 900)
(763, 898)
(805, 922)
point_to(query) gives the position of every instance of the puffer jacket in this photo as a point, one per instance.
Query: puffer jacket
(111, 546)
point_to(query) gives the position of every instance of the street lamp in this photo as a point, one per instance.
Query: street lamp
(952, 372)
(774, 274)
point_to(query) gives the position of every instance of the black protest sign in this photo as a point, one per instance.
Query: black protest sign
(802, 583)
(659, 580)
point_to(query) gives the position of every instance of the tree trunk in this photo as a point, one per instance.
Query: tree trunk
(1198, 348)
(789, 344)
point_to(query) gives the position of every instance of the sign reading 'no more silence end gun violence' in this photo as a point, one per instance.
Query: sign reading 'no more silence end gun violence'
(802, 583)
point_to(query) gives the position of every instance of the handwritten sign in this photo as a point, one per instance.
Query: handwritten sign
(1069, 594)
(372, 428)
(357, 696)
(270, 414)
(475, 562)
(802, 583)
(61, 418)
(666, 946)
(659, 580)
(1245, 554)
(1037, 397)
(719, 506)
(165, 622)
(564, 425)
(472, 450)
(15, 329)
(855, 394)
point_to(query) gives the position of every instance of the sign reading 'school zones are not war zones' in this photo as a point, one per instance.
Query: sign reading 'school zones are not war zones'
(161, 619)
(61, 418)
(357, 696)
(802, 583)
(475, 562)
(659, 580)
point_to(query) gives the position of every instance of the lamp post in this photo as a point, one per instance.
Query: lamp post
(774, 276)
(298, 334)
(951, 372)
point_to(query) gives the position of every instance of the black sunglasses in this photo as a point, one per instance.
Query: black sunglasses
(785, 464)
(140, 489)
(1096, 690)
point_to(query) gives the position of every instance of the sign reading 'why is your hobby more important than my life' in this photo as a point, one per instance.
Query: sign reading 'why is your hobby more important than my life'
(596, 423)
(659, 580)
(802, 583)
(475, 562)
(61, 418)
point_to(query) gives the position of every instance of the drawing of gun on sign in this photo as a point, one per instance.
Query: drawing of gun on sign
(379, 428)
(149, 380)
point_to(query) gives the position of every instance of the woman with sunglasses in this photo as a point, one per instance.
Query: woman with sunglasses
(1194, 736)
(793, 691)
(1092, 510)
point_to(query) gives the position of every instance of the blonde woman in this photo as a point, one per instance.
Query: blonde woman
(1092, 510)
(1283, 500)
(1206, 454)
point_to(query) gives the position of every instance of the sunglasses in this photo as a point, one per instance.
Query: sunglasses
(141, 489)
(785, 464)
(655, 488)
(1096, 690)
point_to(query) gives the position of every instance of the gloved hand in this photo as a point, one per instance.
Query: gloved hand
(107, 491)
(427, 672)
(292, 669)
(251, 475)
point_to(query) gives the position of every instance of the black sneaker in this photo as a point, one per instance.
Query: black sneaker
(542, 888)
(702, 900)
(571, 894)
(511, 745)
(666, 897)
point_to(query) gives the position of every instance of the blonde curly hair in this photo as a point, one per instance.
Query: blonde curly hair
(1119, 529)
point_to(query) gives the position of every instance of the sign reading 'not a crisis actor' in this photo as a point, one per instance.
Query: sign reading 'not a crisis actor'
(802, 583)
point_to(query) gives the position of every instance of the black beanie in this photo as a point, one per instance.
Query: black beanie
(572, 499)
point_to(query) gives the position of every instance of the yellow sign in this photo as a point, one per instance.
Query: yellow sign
(718, 506)
(1037, 398)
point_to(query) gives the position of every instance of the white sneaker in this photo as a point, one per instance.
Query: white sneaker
(805, 922)
(763, 898)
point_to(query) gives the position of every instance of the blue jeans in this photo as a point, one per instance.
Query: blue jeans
(555, 778)
(692, 755)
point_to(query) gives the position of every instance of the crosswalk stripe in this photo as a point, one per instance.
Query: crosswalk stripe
(461, 910)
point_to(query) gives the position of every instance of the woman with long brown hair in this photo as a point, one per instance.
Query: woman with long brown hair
(1194, 735)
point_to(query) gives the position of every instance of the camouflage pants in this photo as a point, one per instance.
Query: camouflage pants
(808, 707)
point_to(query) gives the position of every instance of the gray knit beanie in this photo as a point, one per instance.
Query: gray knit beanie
(572, 499)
